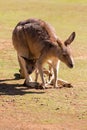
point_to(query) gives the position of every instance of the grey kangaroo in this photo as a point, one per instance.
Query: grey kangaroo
(36, 39)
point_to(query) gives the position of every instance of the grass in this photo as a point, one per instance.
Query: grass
(77, 74)
(47, 106)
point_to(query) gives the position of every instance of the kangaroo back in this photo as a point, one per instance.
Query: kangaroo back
(29, 37)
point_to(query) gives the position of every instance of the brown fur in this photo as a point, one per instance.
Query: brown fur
(36, 39)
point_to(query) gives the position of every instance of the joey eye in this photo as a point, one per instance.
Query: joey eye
(32, 67)
(64, 55)
(34, 61)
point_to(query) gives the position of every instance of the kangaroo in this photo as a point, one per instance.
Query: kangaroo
(52, 72)
(30, 66)
(50, 76)
(36, 39)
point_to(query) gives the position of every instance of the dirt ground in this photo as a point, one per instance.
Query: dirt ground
(15, 125)
(12, 118)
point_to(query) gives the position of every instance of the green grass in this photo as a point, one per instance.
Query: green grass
(77, 74)
(66, 16)
(47, 106)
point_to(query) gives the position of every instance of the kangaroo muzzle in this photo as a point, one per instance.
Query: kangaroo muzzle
(71, 65)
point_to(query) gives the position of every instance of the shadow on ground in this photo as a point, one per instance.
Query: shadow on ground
(21, 89)
(15, 89)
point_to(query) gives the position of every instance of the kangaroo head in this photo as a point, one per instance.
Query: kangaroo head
(30, 64)
(65, 51)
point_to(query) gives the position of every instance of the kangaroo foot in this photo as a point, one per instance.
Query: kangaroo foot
(33, 85)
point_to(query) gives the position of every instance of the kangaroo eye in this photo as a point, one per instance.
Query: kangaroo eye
(64, 55)
(32, 67)
(34, 61)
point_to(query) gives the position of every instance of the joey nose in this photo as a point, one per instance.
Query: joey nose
(29, 72)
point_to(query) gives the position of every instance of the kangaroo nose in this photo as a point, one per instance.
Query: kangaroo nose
(29, 72)
(71, 65)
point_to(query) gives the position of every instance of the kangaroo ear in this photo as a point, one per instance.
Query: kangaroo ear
(70, 39)
(25, 58)
(59, 43)
(32, 61)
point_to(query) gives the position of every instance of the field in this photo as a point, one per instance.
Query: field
(51, 109)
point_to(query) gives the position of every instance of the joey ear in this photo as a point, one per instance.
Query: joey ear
(70, 39)
(32, 61)
(25, 58)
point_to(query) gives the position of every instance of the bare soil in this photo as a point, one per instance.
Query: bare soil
(13, 118)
